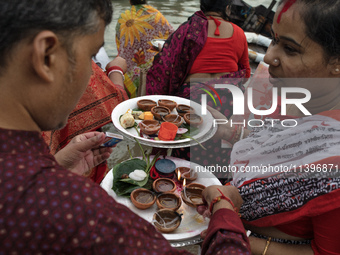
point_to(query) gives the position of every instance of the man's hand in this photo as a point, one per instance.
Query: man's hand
(83, 153)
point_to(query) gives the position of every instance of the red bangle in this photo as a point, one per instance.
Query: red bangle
(114, 68)
(219, 198)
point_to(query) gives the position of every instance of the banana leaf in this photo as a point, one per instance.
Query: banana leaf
(123, 187)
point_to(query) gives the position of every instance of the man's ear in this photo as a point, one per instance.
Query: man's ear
(45, 48)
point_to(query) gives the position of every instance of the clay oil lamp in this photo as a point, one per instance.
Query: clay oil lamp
(193, 119)
(167, 103)
(143, 198)
(146, 104)
(174, 118)
(195, 185)
(166, 220)
(165, 168)
(183, 109)
(160, 111)
(191, 195)
(162, 185)
(185, 173)
(149, 127)
(169, 201)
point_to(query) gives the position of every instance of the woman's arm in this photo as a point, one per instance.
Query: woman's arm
(117, 77)
(258, 246)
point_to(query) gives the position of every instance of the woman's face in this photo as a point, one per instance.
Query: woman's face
(292, 54)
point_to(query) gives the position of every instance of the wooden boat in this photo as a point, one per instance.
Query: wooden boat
(253, 19)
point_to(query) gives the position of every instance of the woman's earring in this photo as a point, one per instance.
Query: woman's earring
(276, 61)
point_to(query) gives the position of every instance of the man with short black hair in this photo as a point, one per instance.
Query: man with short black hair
(46, 207)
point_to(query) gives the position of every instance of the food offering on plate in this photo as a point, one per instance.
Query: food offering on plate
(132, 178)
(127, 120)
(149, 120)
(165, 168)
(167, 132)
(166, 220)
(146, 104)
(133, 174)
(193, 119)
(186, 173)
(192, 194)
(167, 103)
(149, 127)
(159, 112)
(174, 119)
(168, 200)
(183, 109)
(143, 198)
(161, 185)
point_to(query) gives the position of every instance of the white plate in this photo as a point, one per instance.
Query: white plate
(123, 107)
(192, 223)
(155, 42)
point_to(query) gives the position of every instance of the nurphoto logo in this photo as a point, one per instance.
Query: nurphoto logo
(239, 104)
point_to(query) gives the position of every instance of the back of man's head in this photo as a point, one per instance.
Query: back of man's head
(25, 18)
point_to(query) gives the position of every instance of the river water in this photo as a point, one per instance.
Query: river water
(175, 11)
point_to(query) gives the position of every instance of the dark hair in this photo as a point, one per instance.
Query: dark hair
(322, 21)
(135, 2)
(25, 18)
(218, 6)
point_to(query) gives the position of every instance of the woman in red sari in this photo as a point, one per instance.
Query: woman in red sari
(288, 177)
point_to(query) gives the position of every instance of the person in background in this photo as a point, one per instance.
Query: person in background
(92, 112)
(46, 206)
(135, 30)
(296, 210)
(206, 46)
(204, 51)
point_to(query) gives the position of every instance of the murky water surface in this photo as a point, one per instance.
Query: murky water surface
(176, 12)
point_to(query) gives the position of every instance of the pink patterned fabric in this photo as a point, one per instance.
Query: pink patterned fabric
(172, 65)
(45, 209)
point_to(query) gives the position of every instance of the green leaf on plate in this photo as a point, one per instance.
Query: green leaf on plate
(125, 187)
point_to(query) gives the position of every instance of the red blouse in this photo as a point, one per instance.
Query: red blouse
(221, 55)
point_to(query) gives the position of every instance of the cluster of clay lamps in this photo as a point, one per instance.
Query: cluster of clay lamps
(166, 219)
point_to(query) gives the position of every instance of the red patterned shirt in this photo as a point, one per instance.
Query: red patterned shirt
(45, 209)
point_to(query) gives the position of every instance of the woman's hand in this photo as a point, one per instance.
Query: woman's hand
(83, 153)
(118, 61)
(225, 130)
(211, 192)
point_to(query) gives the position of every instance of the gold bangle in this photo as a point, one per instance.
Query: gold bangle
(267, 245)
